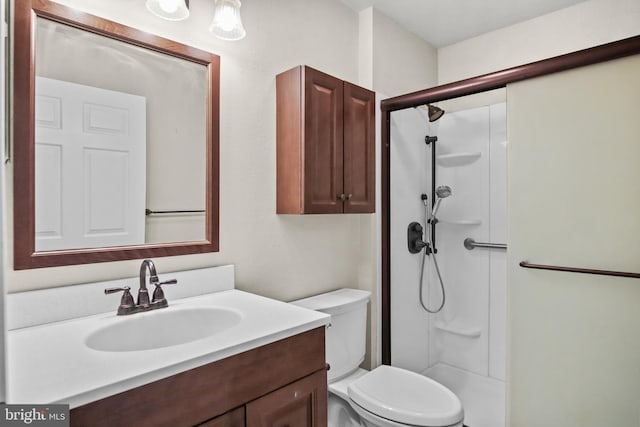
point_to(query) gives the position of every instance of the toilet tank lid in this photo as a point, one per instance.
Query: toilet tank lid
(335, 302)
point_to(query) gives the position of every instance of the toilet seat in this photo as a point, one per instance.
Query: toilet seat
(406, 397)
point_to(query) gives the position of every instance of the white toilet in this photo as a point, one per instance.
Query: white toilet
(386, 396)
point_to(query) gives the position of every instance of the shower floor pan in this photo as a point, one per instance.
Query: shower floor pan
(483, 398)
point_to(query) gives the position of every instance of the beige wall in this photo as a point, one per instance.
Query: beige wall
(280, 256)
(536, 372)
(393, 60)
(583, 25)
(574, 201)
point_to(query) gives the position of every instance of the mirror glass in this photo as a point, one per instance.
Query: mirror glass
(115, 150)
(120, 142)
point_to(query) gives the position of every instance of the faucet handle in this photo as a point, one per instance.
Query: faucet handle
(158, 293)
(124, 289)
(126, 302)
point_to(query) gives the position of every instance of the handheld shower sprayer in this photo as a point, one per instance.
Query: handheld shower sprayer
(416, 244)
(442, 192)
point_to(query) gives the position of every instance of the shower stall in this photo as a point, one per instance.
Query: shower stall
(448, 297)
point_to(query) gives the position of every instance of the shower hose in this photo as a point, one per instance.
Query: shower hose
(429, 222)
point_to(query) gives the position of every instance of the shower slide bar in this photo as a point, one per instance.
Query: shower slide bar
(526, 264)
(471, 244)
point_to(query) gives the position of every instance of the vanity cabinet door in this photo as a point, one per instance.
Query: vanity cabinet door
(233, 418)
(300, 404)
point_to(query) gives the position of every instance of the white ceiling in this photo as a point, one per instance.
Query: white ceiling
(444, 22)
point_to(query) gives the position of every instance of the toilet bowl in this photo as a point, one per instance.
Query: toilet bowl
(389, 396)
(386, 396)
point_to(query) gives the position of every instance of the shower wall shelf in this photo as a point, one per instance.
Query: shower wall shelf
(460, 221)
(456, 330)
(458, 159)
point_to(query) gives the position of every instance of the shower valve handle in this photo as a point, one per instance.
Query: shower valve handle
(414, 239)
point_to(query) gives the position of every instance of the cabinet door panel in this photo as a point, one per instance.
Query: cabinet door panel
(359, 149)
(323, 181)
(233, 418)
(300, 404)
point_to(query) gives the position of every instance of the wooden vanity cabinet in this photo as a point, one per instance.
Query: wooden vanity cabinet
(277, 385)
(325, 134)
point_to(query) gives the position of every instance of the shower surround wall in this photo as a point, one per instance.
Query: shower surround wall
(463, 346)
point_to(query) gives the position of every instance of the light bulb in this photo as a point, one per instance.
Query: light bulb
(171, 10)
(169, 6)
(227, 19)
(227, 23)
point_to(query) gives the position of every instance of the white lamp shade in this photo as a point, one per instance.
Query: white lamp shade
(227, 23)
(171, 10)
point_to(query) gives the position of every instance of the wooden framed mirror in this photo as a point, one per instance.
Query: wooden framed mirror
(115, 141)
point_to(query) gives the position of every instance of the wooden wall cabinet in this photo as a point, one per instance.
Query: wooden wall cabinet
(325, 132)
(276, 385)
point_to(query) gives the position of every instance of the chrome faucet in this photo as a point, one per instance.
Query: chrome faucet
(127, 306)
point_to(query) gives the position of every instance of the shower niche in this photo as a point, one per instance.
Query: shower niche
(458, 159)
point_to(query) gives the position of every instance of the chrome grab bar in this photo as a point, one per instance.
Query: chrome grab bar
(470, 244)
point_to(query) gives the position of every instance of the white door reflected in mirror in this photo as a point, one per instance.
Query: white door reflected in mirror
(100, 200)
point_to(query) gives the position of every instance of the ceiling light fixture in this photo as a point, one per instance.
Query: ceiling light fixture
(171, 10)
(227, 23)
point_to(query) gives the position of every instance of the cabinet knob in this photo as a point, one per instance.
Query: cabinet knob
(349, 196)
(342, 197)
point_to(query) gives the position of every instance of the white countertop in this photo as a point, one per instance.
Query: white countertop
(50, 363)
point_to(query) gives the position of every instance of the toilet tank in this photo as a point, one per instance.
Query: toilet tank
(346, 338)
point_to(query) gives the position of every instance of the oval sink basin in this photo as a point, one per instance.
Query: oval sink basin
(162, 328)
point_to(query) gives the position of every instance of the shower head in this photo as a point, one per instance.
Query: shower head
(442, 192)
(434, 112)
